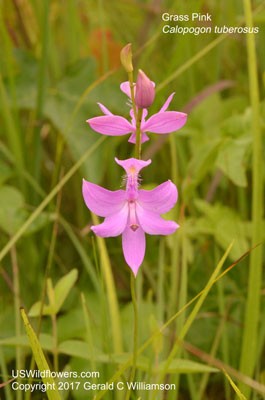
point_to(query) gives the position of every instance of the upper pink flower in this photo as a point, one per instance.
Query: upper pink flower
(115, 125)
(132, 212)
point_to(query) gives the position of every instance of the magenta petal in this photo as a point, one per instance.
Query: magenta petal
(161, 199)
(165, 122)
(125, 88)
(133, 118)
(133, 245)
(101, 201)
(152, 223)
(113, 225)
(112, 125)
(104, 109)
(132, 138)
(168, 101)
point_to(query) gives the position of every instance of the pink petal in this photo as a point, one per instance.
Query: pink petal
(101, 201)
(132, 117)
(161, 199)
(132, 138)
(125, 88)
(165, 122)
(112, 125)
(104, 109)
(133, 245)
(113, 225)
(168, 101)
(132, 164)
(152, 223)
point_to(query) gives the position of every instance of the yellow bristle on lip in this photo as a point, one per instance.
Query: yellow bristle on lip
(134, 227)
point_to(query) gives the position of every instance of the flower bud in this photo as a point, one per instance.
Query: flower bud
(126, 58)
(145, 91)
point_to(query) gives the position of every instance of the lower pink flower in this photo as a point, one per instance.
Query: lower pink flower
(132, 212)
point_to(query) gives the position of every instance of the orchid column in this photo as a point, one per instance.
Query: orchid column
(133, 212)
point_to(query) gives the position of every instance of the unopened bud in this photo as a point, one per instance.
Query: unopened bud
(145, 91)
(126, 58)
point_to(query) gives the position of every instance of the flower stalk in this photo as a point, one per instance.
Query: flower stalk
(135, 334)
(130, 76)
(138, 134)
(252, 313)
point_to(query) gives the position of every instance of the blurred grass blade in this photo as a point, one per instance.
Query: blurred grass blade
(49, 197)
(111, 291)
(11, 131)
(58, 294)
(89, 335)
(41, 362)
(252, 315)
(4, 375)
(191, 61)
(81, 251)
(234, 386)
(41, 87)
(22, 171)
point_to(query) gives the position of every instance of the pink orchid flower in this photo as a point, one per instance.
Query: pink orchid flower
(132, 212)
(115, 125)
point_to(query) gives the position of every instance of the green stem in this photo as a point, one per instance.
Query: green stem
(224, 338)
(175, 251)
(5, 376)
(138, 134)
(104, 47)
(130, 74)
(161, 282)
(138, 118)
(89, 336)
(41, 89)
(110, 291)
(17, 313)
(182, 277)
(55, 344)
(135, 339)
(249, 345)
(47, 272)
(12, 133)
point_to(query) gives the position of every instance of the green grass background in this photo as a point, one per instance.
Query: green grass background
(58, 59)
